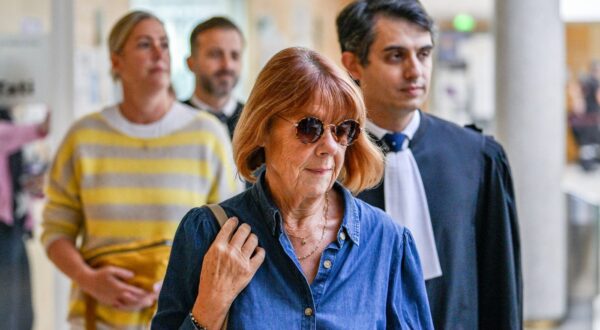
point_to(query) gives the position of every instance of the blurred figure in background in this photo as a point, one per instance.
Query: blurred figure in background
(216, 61)
(16, 310)
(124, 177)
(584, 118)
(575, 98)
(590, 86)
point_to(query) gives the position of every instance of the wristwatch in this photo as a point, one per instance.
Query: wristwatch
(197, 325)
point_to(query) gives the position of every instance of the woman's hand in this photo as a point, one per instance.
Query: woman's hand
(107, 285)
(228, 266)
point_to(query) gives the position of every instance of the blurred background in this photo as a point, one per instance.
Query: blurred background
(525, 71)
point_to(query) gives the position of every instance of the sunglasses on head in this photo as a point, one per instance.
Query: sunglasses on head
(310, 130)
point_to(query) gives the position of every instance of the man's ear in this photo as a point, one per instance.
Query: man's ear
(352, 65)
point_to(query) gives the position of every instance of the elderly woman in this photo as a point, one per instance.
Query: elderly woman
(307, 254)
(124, 177)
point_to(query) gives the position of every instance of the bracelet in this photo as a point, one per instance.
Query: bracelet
(196, 324)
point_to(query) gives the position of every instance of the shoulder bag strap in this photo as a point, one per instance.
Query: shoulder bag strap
(219, 213)
(221, 216)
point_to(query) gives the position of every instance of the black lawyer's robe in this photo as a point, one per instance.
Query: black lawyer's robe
(469, 191)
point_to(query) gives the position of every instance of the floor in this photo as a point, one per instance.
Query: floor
(583, 265)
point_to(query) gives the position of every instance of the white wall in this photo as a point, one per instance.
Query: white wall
(580, 10)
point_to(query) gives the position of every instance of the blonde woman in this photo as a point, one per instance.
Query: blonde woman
(123, 178)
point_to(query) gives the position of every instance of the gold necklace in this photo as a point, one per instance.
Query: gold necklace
(303, 239)
(318, 243)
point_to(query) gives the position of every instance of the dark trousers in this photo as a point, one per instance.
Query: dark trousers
(16, 311)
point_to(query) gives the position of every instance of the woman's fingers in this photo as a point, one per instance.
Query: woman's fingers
(224, 235)
(240, 239)
(249, 246)
(128, 298)
(257, 259)
(240, 236)
(121, 273)
(238, 246)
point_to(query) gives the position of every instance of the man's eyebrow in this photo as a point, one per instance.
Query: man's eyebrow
(394, 48)
(401, 48)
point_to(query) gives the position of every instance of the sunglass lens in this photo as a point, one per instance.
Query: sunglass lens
(309, 130)
(347, 131)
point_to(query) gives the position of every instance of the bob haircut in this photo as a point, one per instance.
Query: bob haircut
(292, 80)
(122, 29)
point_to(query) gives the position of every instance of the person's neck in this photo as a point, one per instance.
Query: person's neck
(392, 120)
(216, 103)
(145, 108)
(298, 212)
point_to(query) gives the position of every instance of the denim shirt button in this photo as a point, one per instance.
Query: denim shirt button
(343, 236)
(327, 264)
(308, 311)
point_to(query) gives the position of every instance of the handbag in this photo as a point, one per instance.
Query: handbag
(147, 259)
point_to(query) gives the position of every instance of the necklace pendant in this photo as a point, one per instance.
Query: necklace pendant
(303, 242)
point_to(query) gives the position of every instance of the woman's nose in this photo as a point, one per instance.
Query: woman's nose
(158, 51)
(328, 140)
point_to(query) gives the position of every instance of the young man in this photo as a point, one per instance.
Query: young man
(451, 186)
(216, 61)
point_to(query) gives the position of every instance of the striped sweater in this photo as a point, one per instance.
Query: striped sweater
(106, 188)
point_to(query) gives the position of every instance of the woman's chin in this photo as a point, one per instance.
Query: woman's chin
(316, 190)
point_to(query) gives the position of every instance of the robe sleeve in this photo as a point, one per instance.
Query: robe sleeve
(498, 247)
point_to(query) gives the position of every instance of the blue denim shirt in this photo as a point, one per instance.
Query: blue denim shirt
(369, 278)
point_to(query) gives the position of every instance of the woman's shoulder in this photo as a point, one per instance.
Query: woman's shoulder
(198, 220)
(203, 216)
(201, 121)
(82, 127)
(92, 120)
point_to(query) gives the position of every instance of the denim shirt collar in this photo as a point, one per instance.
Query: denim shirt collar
(262, 196)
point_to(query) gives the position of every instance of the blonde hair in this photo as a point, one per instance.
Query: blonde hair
(122, 29)
(293, 79)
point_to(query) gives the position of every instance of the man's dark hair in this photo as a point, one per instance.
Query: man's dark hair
(217, 22)
(356, 22)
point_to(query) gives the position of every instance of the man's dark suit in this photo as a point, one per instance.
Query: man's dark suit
(468, 185)
(230, 121)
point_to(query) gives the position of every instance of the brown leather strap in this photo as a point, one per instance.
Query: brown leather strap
(221, 216)
(219, 213)
(90, 312)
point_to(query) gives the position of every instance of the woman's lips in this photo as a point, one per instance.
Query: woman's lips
(158, 70)
(319, 170)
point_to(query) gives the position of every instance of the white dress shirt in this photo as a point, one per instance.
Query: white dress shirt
(405, 198)
(228, 109)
